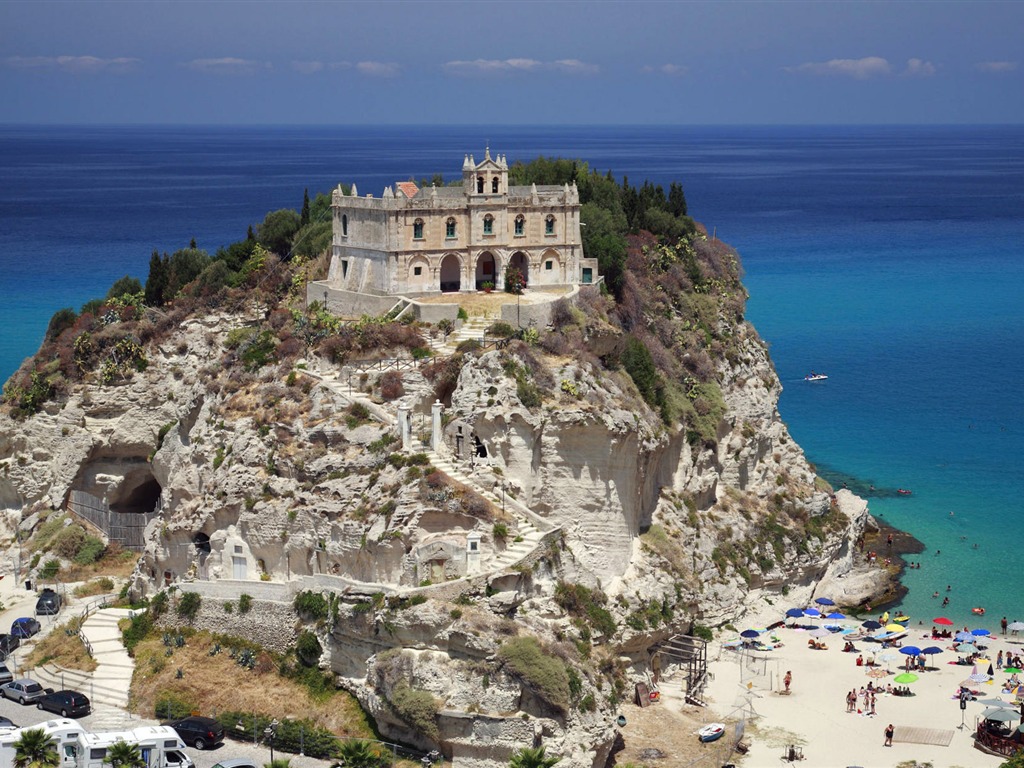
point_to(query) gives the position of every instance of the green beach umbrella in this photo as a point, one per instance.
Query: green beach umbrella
(906, 677)
(1011, 670)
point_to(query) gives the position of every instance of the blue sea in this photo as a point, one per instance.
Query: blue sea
(891, 258)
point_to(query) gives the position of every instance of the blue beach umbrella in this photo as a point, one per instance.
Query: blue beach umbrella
(980, 632)
(814, 613)
(795, 613)
(824, 601)
(749, 633)
(871, 624)
(836, 615)
(931, 650)
(962, 636)
(910, 650)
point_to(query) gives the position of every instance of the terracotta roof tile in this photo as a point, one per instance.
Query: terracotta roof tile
(408, 188)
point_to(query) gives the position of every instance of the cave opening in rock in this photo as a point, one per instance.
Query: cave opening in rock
(138, 493)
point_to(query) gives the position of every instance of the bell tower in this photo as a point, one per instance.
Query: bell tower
(487, 178)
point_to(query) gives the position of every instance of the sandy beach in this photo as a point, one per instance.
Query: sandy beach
(814, 715)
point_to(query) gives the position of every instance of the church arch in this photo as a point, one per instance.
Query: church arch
(419, 277)
(486, 270)
(521, 262)
(451, 274)
(550, 272)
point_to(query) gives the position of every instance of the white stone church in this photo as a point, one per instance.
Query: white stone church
(412, 241)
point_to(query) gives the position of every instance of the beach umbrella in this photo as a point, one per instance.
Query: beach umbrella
(961, 636)
(1000, 715)
(814, 613)
(906, 677)
(931, 650)
(819, 632)
(997, 703)
(910, 650)
(967, 648)
(824, 601)
(977, 677)
(1015, 626)
(871, 624)
(749, 633)
(943, 620)
(1011, 670)
(991, 671)
(980, 632)
(795, 613)
(895, 628)
(836, 615)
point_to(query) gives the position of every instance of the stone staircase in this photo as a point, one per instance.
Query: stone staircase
(107, 686)
(473, 328)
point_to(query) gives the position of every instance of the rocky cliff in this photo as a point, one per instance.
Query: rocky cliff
(502, 590)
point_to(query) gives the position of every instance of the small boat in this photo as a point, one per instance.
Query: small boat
(711, 732)
(978, 611)
(901, 619)
(812, 376)
(903, 492)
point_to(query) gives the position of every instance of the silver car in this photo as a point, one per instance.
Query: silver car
(23, 691)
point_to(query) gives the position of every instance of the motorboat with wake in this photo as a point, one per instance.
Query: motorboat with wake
(813, 376)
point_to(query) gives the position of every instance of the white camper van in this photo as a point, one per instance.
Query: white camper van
(159, 745)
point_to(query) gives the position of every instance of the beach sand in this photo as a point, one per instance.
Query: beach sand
(814, 715)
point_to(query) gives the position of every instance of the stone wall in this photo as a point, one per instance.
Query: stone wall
(269, 623)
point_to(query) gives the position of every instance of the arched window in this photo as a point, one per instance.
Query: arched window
(479, 185)
(417, 229)
(494, 185)
(344, 225)
(520, 224)
(549, 225)
(449, 228)
(488, 224)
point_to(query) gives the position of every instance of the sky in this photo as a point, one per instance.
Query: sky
(522, 62)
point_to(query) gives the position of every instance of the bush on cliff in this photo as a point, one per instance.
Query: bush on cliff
(545, 675)
(417, 708)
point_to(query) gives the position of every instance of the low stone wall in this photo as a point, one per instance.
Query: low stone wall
(349, 304)
(268, 623)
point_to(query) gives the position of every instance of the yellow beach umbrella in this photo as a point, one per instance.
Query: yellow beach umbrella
(895, 628)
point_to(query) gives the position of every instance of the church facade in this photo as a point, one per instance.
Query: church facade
(413, 241)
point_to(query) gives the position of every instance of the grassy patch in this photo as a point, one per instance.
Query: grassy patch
(63, 647)
(546, 675)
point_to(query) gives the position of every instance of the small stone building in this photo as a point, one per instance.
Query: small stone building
(413, 241)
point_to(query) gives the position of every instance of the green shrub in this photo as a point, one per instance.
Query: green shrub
(244, 603)
(141, 624)
(91, 551)
(311, 605)
(462, 314)
(69, 541)
(159, 604)
(500, 531)
(417, 708)
(308, 648)
(173, 705)
(545, 675)
(188, 605)
(50, 569)
(501, 329)
(584, 603)
(704, 633)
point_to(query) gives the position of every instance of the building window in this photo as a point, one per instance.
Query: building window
(479, 185)
(417, 271)
(449, 228)
(549, 265)
(494, 185)
(520, 224)
(344, 225)
(417, 229)
(344, 268)
(488, 224)
(549, 225)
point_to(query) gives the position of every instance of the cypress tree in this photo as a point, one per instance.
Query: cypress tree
(304, 217)
(156, 283)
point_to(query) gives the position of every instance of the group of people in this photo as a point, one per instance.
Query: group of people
(1012, 660)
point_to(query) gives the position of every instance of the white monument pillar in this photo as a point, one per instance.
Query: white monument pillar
(403, 426)
(472, 553)
(435, 431)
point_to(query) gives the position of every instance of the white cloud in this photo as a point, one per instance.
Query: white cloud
(672, 70)
(507, 66)
(919, 68)
(227, 66)
(378, 68)
(308, 67)
(996, 66)
(73, 64)
(861, 69)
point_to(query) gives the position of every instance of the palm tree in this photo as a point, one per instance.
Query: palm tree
(121, 754)
(358, 753)
(35, 749)
(278, 763)
(529, 757)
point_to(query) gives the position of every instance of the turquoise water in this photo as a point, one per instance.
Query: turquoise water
(890, 258)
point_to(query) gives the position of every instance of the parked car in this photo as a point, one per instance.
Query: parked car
(7, 644)
(200, 732)
(25, 627)
(65, 703)
(236, 762)
(5, 674)
(24, 691)
(48, 603)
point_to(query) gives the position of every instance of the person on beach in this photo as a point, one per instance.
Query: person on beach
(851, 701)
(872, 703)
(890, 731)
(1002, 623)
(787, 680)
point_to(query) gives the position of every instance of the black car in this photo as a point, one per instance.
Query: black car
(6, 722)
(66, 703)
(6, 675)
(48, 603)
(25, 627)
(200, 732)
(7, 644)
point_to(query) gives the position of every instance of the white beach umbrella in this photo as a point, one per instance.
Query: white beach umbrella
(1015, 626)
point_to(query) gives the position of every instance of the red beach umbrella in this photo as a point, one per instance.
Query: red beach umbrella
(943, 620)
